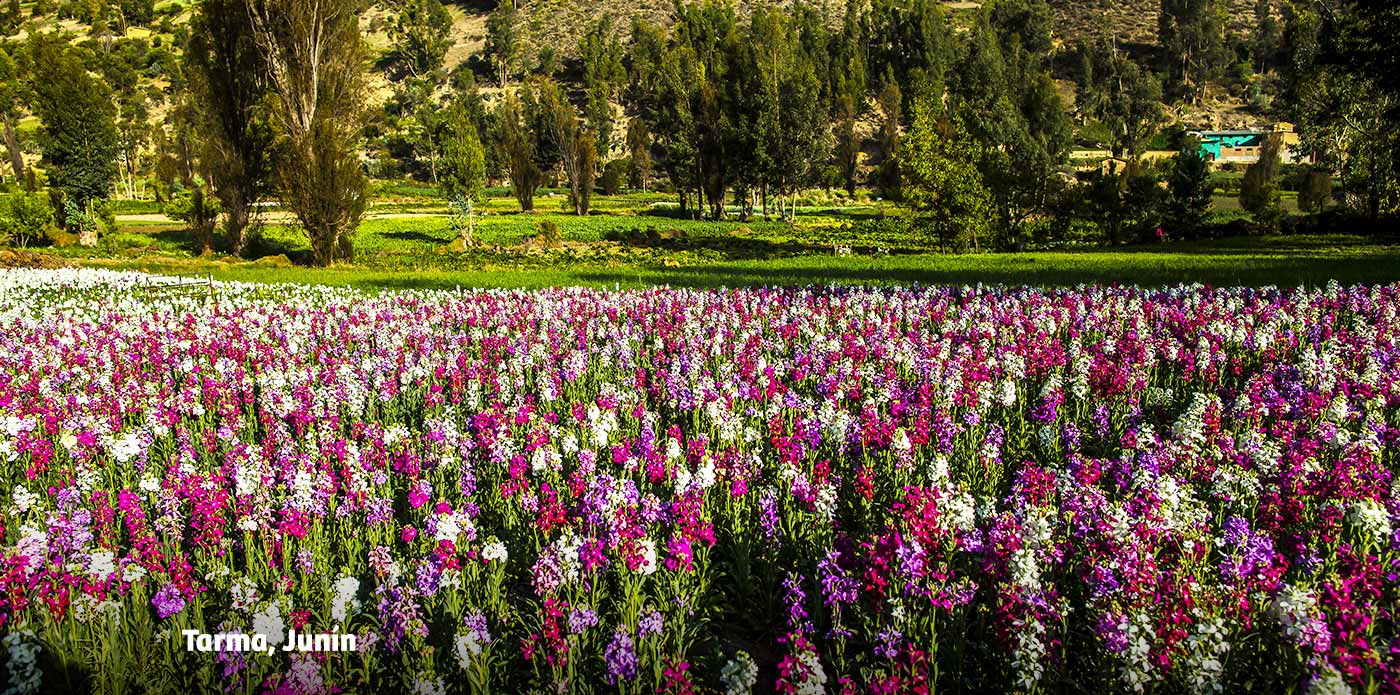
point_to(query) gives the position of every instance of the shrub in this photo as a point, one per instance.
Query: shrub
(198, 209)
(1189, 190)
(547, 234)
(1315, 191)
(614, 174)
(25, 218)
(1259, 191)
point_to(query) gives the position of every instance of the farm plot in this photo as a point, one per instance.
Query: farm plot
(799, 490)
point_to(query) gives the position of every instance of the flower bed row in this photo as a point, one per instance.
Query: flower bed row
(822, 490)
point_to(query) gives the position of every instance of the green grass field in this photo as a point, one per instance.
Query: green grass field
(639, 240)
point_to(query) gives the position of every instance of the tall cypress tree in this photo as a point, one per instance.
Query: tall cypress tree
(80, 133)
(227, 86)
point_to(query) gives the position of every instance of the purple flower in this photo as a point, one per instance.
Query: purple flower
(168, 601)
(429, 578)
(650, 623)
(1114, 639)
(400, 614)
(795, 598)
(837, 588)
(1103, 581)
(379, 512)
(768, 516)
(620, 657)
(1069, 434)
(888, 643)
(475, 623)
(1246, 553)
(581, 619)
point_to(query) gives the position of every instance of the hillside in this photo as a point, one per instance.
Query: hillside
(559, 24)
(1129, 21)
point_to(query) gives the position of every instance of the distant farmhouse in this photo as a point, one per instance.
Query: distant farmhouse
(1244, 146)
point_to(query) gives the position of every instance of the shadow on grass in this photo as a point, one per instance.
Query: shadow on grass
(261, 245)
(417, 237)
(730, 247)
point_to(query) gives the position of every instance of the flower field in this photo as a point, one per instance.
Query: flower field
(668, 491)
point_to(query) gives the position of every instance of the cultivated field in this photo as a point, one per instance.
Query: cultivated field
(665, 490)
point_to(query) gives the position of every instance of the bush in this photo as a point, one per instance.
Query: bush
(1227, 183)
(547, 234)
(1315, 192)
(1259, 191)
(200, 210)
(614, 174)
(25, 218)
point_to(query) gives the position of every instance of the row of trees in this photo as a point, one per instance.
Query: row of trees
(271, 103)
(735, 114)
(741, 115)
(277, 95)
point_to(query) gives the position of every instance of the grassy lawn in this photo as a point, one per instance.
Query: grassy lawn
(638, 239)
(1286, 263)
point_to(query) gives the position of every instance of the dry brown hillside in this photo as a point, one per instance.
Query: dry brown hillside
(1129, 21)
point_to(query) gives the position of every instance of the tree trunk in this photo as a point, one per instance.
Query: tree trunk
(236, 227)
(12, 143)
(323, 245)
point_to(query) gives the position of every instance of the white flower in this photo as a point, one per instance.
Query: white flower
(647, 548)
(1329, 682)
(246, 480)
(494, 550)
(22, 663)
(1025, 571)
(1137, 668)
(960, 513)
(1006, 395)
(244, 593)
(1028, 655)
(125, 448)
(1292, 608)
(450, 526)
(1371, 518)
(1204, 649)
(344, 603)
(464, 647)
(705, 474)
(816, 675)
(901, 443)
(101, 564)
(427, 686)
(739, 675)
(269, 623)
(23, 499)
(897, 611)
